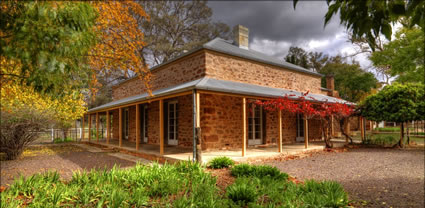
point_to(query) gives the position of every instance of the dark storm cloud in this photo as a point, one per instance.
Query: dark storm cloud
(277, 20)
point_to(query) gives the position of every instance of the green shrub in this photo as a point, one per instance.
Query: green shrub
(323, 194)
(243, 191)
(258, 171)
(388, 129)
(220, 162)
(380, 140)
(60, 140)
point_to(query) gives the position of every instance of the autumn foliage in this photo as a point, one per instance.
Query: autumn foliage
(120, 41)
(311, 108)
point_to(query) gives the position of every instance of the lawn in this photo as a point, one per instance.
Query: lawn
(184, 184)
(389, 138)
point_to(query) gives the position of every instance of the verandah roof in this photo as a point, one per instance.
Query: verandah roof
(210, 84)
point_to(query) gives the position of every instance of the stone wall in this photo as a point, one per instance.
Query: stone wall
(221, 121)
(115, 124)
(180, 71)
(225, 67)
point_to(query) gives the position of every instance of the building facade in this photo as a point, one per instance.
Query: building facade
(212, 88)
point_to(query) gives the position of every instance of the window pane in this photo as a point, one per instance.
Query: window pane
(257, 135)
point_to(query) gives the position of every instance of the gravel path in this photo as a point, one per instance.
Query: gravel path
(372, 177)
(61, 158)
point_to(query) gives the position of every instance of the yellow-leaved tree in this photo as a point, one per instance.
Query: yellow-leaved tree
(120, 41)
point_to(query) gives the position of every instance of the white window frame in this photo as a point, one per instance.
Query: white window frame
(252, 140)
(175, 140)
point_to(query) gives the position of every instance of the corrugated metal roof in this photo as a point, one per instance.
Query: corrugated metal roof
(211, 84)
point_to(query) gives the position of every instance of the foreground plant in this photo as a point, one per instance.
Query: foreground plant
(221, 162)
(182, 185)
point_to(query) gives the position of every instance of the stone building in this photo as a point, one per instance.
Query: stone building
(212, 87)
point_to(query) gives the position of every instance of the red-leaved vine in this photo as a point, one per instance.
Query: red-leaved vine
(311, 108)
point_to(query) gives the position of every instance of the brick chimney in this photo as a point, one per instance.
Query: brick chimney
(330, 84)
(241, 36)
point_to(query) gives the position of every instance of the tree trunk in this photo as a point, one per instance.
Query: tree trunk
(341, 126)
(326, 128)
(408, 133)
(401, 143)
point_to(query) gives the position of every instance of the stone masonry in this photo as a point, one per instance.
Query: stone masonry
(221, 116)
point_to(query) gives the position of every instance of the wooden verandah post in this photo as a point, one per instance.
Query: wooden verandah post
(161, 127)
(120, 127)
(244, 126)
(305, 132)
(108, 127)
(97, 127)
(137, 126)
(280, 131)
(89, 117)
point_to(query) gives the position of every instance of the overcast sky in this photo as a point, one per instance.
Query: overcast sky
(274, 26)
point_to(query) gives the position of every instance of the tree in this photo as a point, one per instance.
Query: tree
(317, 60)
(176, 26)
(311, 110)
(120, 42)
(403, 56)
(24, 112)
(369, 18)
(395, 103)
(351, 81)
(298, 56)
(347, 75)
(46, 43)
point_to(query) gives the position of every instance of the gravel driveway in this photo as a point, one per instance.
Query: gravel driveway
(373, 177)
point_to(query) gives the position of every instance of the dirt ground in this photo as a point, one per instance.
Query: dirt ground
(373, 177)
(62, 158)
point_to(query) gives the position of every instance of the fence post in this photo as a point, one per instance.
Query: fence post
(53, 136)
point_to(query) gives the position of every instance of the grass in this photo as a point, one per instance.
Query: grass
(220, 162)
(61, 140)
(390, 139)
(181, 185)
(265, 186)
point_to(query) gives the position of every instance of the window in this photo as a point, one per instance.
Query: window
(172, 123)
(255, 125)
(144, 127)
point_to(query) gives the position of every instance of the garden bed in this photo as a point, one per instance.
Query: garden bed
(183, 184)
(63, 158)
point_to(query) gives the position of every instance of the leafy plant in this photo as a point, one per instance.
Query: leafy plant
(258, 171)
(323, 194)
(221, 162)
(242, 191)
